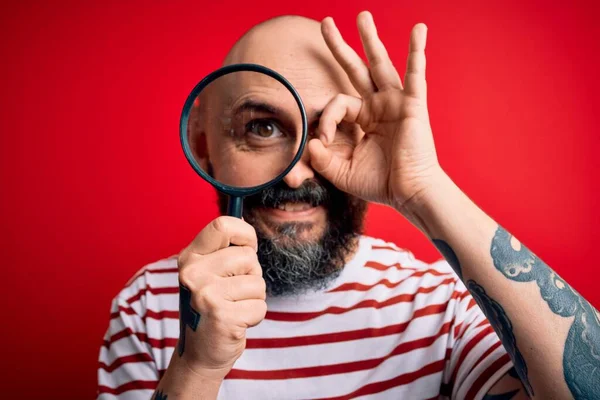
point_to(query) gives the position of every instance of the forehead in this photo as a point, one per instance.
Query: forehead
(241, 91)
(305, 61)
(316, 81)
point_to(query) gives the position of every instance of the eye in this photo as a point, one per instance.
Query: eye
(264, 128)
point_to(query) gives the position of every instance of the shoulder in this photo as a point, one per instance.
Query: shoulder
(386, 266)
(386, 253)
(151, 282)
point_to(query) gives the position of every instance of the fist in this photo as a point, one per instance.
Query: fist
(222, 293)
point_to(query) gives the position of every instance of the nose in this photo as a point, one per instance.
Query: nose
(301, 171)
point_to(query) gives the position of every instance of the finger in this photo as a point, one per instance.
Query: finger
(341, 108)
(414, 80)
(230, 261)
(330, 165)
(383, 72)
(251, 312)
(243, 287)
(351, 62)
(221, 233)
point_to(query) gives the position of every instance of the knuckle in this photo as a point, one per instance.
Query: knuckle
(182, 259)
(262, 287)
(198, 305)
(262, 309)
(340, 99)
(376, 59)
(207, 299)
(186, 278)
(337, 46)
(221, 224)
(353, 68)
(252, 232)
(238, 333)
(257, 268)
(248, 253)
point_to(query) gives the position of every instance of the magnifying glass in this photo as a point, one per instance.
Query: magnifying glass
(242, 129)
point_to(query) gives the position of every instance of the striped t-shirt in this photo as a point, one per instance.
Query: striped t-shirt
(388, 327)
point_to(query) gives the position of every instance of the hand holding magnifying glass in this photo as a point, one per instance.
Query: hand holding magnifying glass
(243, 128)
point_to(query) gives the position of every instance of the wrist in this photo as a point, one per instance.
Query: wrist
(181, 381)
(438, 191)
(204, 373)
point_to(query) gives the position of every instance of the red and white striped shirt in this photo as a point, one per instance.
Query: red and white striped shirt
(388, 327)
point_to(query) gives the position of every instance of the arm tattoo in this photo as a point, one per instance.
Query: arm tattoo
(503, 327)
(501, 396)
(160, 395)
(581, 359)
(187, 316)
(449, 255)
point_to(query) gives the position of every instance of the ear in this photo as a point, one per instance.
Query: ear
(197, 139)
(200, 150)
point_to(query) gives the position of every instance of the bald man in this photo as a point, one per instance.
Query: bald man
(307, 307)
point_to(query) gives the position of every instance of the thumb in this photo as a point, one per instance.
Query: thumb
(329, 165)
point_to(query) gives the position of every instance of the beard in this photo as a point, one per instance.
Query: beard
(292, 265)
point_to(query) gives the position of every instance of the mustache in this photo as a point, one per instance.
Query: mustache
(311, 191)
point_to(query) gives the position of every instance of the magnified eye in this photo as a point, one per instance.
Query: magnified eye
(264, 128)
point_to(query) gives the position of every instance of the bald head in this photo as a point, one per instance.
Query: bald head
(276, 34)
(293, 46)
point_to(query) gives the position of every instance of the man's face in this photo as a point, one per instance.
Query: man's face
(306, 227)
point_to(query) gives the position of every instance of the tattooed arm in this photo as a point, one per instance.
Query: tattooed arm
(551, 333)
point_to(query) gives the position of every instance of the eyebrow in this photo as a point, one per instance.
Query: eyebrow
(257, 106)
(262, 107)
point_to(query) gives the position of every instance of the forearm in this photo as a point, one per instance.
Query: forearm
(180, 382)
(551, 333)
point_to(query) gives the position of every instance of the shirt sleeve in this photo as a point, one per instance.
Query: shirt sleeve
(477, 358)
(126, 368)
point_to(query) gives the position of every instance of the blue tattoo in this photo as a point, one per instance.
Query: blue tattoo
(449, 255)
(160, 395)
(187, 316)
(501, 396)
(581, 359)
(503, 327)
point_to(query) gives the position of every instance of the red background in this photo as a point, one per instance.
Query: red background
(94, 183)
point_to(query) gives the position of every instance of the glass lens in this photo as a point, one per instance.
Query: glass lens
(244, 129)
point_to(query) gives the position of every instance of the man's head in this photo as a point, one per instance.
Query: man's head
(306, 227)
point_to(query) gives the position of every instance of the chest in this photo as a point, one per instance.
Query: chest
(388, 356)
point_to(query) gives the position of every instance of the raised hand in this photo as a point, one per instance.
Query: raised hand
(395, 159)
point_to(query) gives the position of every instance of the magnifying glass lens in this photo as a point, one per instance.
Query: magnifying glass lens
(244, 129)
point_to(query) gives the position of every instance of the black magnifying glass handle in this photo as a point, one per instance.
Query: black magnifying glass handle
(234, 206)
